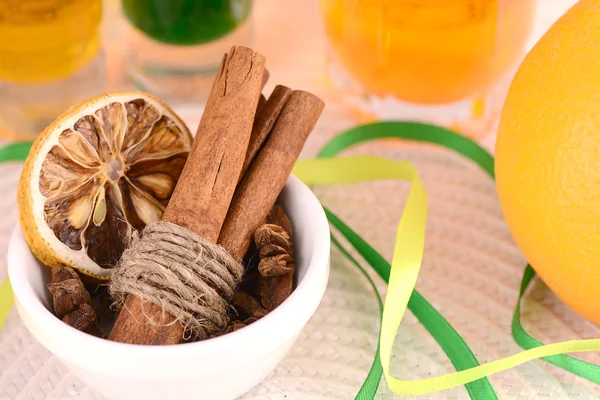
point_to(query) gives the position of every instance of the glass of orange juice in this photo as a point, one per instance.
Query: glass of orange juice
(439, 61)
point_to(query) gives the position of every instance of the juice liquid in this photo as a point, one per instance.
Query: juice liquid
(427, 52)
(186, 22)
(46, 40)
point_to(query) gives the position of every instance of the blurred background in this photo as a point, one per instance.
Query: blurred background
(447, 62)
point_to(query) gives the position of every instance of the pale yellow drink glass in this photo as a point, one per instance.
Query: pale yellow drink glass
(47, 54)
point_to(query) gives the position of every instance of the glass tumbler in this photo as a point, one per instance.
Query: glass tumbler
(176, 46)
(439, 61)
(50, 57)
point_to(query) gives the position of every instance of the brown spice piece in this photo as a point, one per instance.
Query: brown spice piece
(276, 279)
(271, 238)
(279, 264)
(275, 249)
(67, 291)
(247, 306)
(274, 290)
(72, 302)
(84, 319)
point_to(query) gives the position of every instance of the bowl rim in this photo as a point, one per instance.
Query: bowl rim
(300, 305)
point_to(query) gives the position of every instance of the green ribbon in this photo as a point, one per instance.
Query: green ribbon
(449, 340)
(15, 152)
(583, 369)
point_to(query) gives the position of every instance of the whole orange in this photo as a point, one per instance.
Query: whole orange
(548, 158)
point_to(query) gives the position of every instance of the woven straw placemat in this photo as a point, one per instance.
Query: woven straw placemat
(471, 274)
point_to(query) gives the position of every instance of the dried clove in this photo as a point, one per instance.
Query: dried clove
(272, 239)
(275, 249)
(276, 265)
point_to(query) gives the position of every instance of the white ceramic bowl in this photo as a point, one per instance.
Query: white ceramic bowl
(221, 368)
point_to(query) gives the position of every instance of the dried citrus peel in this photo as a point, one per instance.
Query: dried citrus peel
(102, 170)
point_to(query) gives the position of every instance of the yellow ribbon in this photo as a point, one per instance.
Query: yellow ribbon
(6, 300)
(406, 263)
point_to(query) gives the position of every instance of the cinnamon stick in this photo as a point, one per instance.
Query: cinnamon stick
(267, 175)
(261, 102)
(207, 183)
(262, 99)
(265, 78)
(264, 121)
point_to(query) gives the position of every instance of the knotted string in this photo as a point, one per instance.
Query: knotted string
(188, 277)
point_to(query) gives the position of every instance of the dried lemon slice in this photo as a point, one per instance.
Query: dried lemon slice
(101, 171)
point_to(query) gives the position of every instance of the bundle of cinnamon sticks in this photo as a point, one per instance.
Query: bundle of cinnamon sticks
(244, 151)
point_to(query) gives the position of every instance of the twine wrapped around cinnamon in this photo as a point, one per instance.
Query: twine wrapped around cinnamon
(223, 195)
(187, 276)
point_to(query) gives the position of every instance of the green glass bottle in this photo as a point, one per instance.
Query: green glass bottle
(186, 22)
(175, 47)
